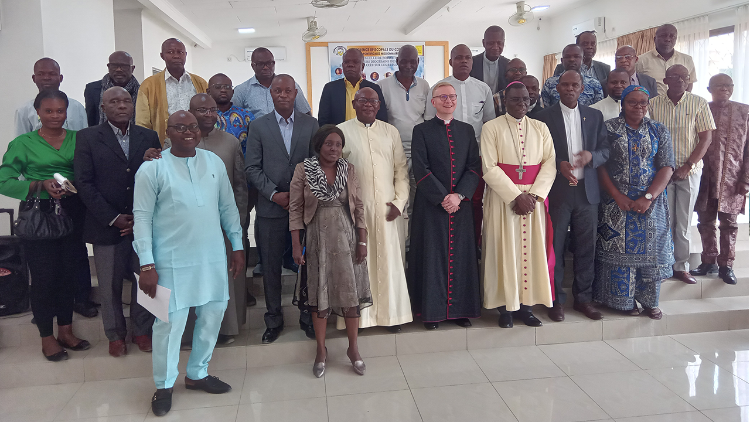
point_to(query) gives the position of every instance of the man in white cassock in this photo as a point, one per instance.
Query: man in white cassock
(518, 160)
(374, 148)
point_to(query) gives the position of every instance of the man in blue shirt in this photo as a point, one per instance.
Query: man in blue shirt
(572, 59)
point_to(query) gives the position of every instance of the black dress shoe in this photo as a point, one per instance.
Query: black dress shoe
(210, 384)
(161, 403)
(82, 345)
(271, 335)
(85, 310)
(506, 320)
(57, 357)
(309, 331)
(529, 319)
(462, 322)
(704, 269)
(727, 275)
(251, 300)
(394, 329)
(431, 325)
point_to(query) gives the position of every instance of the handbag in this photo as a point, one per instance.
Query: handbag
(34, 223)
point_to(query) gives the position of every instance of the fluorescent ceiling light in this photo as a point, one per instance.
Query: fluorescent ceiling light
(246, 30)
(539, 8)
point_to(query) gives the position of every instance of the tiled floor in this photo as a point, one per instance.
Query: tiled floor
(681, 378)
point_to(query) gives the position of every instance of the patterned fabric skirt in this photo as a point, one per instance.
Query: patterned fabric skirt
(336, 283)
(634, 253)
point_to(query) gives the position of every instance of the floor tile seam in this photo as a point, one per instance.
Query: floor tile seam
(71, 398)
(504, 402)
(387, 390)
(623, 355)
(589, 396)
(671, 390)
(477, 363)
(414, 400)
(249, 401)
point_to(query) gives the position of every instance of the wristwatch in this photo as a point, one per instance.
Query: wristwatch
(648, 196)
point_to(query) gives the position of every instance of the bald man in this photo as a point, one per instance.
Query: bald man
(119, 73)
(515, 70)
(168, 91)
(186, 254)
(690, 122)
(106, 159)
(47, 76)
(337, 96)
(490, 65)
(655, 63)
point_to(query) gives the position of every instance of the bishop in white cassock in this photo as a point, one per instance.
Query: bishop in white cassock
(374, 148)
(518, 160)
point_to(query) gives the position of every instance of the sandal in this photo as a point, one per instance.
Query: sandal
(82, 345)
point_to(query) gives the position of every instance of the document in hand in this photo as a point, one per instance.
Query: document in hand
(159, 305)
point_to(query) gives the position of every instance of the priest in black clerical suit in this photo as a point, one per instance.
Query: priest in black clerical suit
(443, 272)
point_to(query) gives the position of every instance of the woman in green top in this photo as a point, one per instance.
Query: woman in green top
(54, 264)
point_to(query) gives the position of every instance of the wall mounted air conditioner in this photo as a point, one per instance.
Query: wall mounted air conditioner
(279, 53)
(596, 24)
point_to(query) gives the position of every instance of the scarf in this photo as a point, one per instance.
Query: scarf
(132, 87)
(316, 179)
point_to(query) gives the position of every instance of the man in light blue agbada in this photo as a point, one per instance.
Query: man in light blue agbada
(181, 204)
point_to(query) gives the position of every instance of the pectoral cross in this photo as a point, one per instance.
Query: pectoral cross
(520, 170)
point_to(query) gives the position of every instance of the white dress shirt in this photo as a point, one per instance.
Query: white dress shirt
(179, 92)
(490, 70)
(572, 118)
(474, 104)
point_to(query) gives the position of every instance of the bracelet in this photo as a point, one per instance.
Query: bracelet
(362, 244)
(148, 267)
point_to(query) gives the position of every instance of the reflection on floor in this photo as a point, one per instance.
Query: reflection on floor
(699, 377)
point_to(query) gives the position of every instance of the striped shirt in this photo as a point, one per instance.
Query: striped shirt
(690, 116)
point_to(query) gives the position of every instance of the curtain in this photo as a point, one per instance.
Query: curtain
(605, 52)
(741, 64)
(642, 41)
(550, 62)
(692, 39)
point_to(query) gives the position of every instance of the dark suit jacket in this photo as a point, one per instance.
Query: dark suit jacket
(534, 112)
(332, 107)
(649, 83)
(267, 164)
(594, 140)
(601, 72)
(477, 70)
(105, 178)
(92, 94)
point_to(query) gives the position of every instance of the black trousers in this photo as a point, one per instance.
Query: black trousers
(273, 234)
(55, 266)
(572, 209)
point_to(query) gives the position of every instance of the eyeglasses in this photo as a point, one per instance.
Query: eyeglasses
(633, 103)
(722, 86)
(445, 97)
(116, 66)
(517, 70)
(219, 87)
(519, 100)
(684, 78)
(627, 57)
(268, 64)
(204, 110)
(371, 101)
(184, 128)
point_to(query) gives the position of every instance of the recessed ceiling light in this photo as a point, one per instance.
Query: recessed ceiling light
(539, 8)
(246, 30)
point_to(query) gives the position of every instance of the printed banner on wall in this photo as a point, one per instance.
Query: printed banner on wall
(380, 59)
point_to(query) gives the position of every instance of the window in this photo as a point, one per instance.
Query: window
(720, 53)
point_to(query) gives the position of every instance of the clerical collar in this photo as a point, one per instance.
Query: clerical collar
(566, 108)
(488, 61)
(518, 120)
(447, 122)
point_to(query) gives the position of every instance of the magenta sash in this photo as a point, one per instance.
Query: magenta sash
(528, 178)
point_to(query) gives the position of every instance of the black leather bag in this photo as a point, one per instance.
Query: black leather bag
(37, 223)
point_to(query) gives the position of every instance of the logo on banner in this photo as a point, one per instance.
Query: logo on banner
(339, 50)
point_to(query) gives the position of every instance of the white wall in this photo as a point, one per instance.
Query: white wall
(80, 36)
(129, 37)
(153, 32)
(635, 15)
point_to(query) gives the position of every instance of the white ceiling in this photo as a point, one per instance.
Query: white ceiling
(220, 19)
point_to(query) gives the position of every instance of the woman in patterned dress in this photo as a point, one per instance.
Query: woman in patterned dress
(634, 250)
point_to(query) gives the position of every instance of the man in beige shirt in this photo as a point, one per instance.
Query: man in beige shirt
(655, 63)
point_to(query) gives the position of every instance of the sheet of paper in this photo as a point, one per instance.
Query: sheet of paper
(159, 305)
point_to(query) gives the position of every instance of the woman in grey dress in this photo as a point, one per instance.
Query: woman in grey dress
(325, 204)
